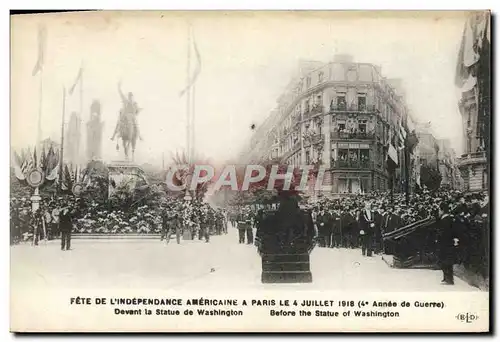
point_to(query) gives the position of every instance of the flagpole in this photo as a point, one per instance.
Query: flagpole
(61, 157)
(193, 124)
(39, 133)
(188, 98)
(81, 116)
(187, 196)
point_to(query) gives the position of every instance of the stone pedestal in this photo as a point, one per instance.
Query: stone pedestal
(286, 268)
(122, 172)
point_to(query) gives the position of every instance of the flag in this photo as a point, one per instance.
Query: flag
(51, 160)
(35, 160)
(43, 159)
(78, 78)
(197, 69)
(42, 41)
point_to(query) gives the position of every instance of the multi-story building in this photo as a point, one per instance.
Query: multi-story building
(343, 115)
(446, 162)
(473, 80)
(428, 147)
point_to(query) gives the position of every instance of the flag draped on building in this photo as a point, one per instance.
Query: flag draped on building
(197, 68)
(476, 33)
(42, 41)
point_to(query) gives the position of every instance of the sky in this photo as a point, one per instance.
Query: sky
(247, 59)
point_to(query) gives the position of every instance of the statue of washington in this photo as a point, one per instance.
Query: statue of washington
(127, 127)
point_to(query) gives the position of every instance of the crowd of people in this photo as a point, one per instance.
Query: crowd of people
(364, 221)
(171, 216)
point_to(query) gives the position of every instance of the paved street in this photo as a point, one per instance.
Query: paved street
(220, 264)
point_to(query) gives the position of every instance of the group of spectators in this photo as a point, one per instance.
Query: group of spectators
(370, 221)
(187, 218)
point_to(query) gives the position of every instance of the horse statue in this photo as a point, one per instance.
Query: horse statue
(127, 127)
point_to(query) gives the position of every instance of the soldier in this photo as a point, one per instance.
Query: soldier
(177, 225)
(37, 225)
(205, 222)
(243, 224)
(15, 222)
(65, 226)
(366, 222)
(165, 225)
(249, 231)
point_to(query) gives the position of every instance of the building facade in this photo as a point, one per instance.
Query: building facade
(473, 80)
(342, 115)
(447, 165)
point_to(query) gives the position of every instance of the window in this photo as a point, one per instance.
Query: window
(319, 100)
(320, 77)
(341, 127)
(306, 107)
(341, 101)
(308, 157)
(308, 81)
(362, 126)
(361, 102)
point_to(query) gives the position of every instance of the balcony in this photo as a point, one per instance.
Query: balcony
(472, 158)
(308, 114)
(313, 139)
(352, 108)
(349, 164)
(353, 135)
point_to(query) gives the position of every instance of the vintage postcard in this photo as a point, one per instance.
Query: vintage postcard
(239, 171)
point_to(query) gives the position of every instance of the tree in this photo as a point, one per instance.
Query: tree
(430, 177)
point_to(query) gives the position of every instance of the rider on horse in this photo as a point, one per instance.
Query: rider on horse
(129, 107)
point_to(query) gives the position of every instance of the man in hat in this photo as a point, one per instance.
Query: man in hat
(366, 222)
(446, 243)
(324, 224)
(65, 227)
(336, 228)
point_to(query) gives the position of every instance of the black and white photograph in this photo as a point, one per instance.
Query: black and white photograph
(250, 171)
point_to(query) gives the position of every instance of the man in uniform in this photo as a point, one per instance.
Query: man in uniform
(165, 224)
(244, 224)
(37, 224)
(249, 231)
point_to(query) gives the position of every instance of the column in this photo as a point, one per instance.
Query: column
(327, 119)
(327, 145)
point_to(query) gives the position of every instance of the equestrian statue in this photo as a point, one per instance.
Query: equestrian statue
(127, 127)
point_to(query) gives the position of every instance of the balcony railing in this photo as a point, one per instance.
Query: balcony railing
(352, 108)
(316, 109)
(472, 158)
(350, 164)
(353, 135)
(313, 138)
